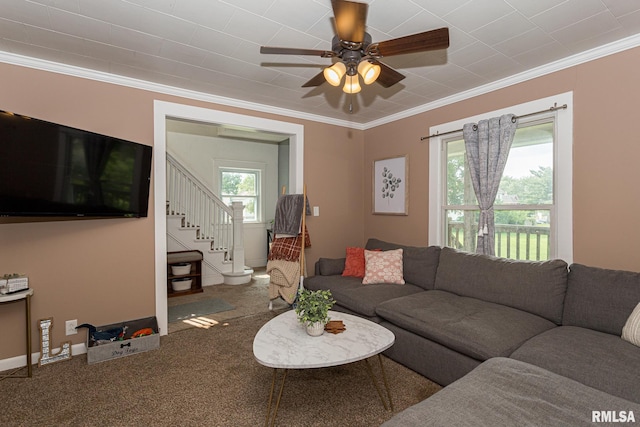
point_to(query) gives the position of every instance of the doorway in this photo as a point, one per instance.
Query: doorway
(234, 164)
(166, 110)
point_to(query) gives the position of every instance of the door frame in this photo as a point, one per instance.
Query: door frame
(163, 110)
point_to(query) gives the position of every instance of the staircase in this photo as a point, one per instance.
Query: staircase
(198, 219)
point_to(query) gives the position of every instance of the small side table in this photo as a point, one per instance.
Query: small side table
(17, 296)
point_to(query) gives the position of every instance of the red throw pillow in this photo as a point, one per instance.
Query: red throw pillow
(354, 264)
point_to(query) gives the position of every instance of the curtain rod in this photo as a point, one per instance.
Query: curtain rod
(554, 108)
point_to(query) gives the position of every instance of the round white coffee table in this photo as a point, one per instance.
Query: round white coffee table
(283, 343)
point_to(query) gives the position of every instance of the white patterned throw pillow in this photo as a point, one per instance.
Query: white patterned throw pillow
(383, 267)
(631, 329)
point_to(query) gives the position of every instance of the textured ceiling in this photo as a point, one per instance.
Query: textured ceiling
(212, 46)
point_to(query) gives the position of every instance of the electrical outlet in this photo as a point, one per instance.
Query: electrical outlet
(70, 327)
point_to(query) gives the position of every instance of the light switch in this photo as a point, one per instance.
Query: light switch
(316, 211)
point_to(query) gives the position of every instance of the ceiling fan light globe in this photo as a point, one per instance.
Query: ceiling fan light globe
(368, 71)
(352, 84)
(333, 75)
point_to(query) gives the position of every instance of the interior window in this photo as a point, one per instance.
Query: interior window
(242, 185)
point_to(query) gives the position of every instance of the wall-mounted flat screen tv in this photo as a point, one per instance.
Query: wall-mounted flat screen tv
(47, 169)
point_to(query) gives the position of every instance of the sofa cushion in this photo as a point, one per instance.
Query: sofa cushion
(419, 264)
(476, 328)
(440, 364)
(331, 283)
(364, 299)
(383, 267)
(600, 299)
(597, 359)
(330, 266)
(505, 392)
(361, 299)
(536, 287)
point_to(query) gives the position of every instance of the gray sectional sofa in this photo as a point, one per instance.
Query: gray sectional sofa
(459, 310)
(504, 392)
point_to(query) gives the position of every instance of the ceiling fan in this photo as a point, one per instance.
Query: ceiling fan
(357, 54)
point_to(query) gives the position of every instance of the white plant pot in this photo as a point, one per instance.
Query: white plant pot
(315, 329)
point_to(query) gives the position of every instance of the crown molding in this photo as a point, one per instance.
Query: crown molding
(100, 76)
(552, 67)
(571, 61)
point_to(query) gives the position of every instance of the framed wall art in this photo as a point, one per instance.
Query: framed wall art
(391, 186)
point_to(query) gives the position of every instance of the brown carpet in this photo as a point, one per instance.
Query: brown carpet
(248, 299)
(202, 377)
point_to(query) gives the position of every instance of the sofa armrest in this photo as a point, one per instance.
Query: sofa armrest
(329, 266)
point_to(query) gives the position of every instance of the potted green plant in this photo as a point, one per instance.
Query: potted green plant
(312, 309)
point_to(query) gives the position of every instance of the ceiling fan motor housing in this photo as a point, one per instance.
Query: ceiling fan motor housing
(350, 52)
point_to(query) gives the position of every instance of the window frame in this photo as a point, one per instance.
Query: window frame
(259, 169)
(561, 245)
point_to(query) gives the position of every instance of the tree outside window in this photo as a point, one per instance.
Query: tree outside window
(241, 186)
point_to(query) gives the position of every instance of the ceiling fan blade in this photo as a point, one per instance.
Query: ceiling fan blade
(421, 42)
(388, 76)
(317, 80)
(296, 51)
(351, 18)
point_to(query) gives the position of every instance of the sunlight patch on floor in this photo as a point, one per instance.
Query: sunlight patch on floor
(201, 322)
(262, 276)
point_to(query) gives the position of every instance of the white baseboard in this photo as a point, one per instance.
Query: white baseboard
(19, 361)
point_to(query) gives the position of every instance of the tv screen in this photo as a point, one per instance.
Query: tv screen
(48, 169)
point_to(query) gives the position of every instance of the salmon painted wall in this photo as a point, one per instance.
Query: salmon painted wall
(102, 271)
(606, 149)
(333, 172)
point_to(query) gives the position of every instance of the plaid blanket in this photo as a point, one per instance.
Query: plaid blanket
(288, 248)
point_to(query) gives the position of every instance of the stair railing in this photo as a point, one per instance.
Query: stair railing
(202, 210)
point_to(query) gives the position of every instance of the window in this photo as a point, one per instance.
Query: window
(242, 185)
(533, 205)
(524, 204)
